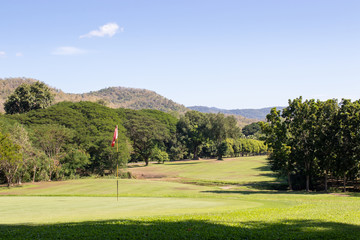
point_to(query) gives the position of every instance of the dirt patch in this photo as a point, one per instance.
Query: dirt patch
(339, 194)
(182, 188)
(148, 175)
(226, 187)
(37, 185)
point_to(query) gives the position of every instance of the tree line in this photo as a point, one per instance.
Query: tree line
(68, 139)
(312, 142)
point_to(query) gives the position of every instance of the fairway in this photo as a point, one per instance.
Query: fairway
(73, 209)
(204, 199)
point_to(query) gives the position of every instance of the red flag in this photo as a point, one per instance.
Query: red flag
(115, 136)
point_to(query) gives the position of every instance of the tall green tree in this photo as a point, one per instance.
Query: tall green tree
(52, 138)
(327, 134)
(145, 133)
(348, 151)
(28, 97)
(251, 129)
(10, 158)
(278, 141)
(193, 128)
(301, 118)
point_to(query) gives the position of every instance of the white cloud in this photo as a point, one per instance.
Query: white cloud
(109, 30)
(19, 54)
(68, 51)
(2, 54)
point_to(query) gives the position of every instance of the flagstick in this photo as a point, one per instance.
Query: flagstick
(117, 170)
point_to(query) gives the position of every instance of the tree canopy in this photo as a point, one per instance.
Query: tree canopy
(312, 139)
(28, 97)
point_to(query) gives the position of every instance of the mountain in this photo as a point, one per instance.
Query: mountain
(259, 114)
(120, 97)
(114, 97)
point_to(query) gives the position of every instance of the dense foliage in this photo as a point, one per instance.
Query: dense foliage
(28, 97)
(312, 141)
(69, 139)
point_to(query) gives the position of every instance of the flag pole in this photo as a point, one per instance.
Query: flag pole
(115, 139)
(117, 170)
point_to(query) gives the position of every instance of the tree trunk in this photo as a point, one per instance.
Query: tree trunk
(326, 182)
(289, 181)
(195, 153)
(307, 182)
(50, 173)
(146, 161)
(34, 174)
(344, 185)
(8, 179)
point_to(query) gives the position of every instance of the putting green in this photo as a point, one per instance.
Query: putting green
(36, 210)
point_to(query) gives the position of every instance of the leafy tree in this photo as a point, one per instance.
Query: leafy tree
(217, 129)
(348, 151)
(193, 129)
(327, 133)
(222, 150)
(19, 136)
(301, 118)
(145, 133)
(10, 158)
(74, 160)
(92, 126)
(51, 139)
(251, 129)
(277, 138)
(28, 97)
(159, 155)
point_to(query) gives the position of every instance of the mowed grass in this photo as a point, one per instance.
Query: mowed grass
(170, 208)
(231, 170)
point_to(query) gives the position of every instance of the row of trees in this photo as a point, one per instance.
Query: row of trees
(214, 135)
(313, 140)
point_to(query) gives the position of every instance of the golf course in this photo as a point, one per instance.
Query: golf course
(201, 199)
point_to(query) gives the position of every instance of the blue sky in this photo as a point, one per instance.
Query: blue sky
(225, 53)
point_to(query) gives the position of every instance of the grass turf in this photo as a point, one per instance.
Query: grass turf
(164, 209)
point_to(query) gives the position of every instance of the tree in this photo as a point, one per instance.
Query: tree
(19, 136)
(348, 150)
(73, 160)
(193, 129)
(144, 133)
(301, 119)
(251, 129)
(277, 138)
(28, 97)
(222, 150)
(51, 138)
(10, 158)
(159, 155)
(327, 133)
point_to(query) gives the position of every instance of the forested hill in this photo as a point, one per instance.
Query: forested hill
(114, 97)
(259, 114)
(134, 98)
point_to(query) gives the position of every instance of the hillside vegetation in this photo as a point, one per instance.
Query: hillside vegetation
(114, 97)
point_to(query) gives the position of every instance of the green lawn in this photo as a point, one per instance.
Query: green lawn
(231, 170)
(171, 207)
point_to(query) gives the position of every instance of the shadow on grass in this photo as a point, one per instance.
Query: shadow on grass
(188, 229)
(248, 192)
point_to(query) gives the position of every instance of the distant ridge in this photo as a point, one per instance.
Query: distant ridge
(132, 98)
(259, 114)
(114, 97)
